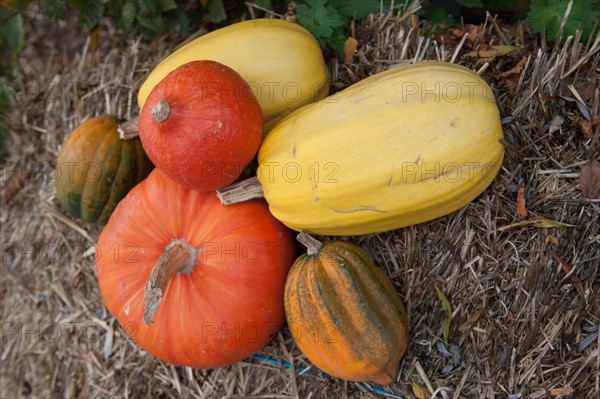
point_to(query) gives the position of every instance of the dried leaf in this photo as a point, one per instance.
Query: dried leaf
(589, 179)
(584, 111)
(521, 210)
(445, 38)
(414, 21)
(448, 308)
(586, 127)
(495, 51)
(476, 33)
(569, 270)
(585, 373)
(586, 90)
(453, 351)
(13, 186)
(420, 391)
(537, 221)
(587, 341)
(442, 348)
(473, 319)
(362, 57)
(516, 71)
(95, 38)
(502, 357)
(349, 48)
(554, 124)
(561, 391)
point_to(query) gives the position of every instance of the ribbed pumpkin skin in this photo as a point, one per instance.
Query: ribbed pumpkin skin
(345, 315)
(396, 149)
(231, 302)
(281, 61)
(96, 169)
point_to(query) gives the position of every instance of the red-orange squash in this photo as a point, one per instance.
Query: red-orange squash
(201, 125)
(193, 282)
(344, 313)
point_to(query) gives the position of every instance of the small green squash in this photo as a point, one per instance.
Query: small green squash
(96, 169)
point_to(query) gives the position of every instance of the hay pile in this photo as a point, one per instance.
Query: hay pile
(526, 308)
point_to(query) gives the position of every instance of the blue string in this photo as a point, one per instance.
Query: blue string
(301, 368)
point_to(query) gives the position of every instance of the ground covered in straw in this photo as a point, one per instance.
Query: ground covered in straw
(525, 300)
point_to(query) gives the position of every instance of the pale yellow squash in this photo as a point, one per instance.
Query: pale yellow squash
(281, 61)
(399, 148)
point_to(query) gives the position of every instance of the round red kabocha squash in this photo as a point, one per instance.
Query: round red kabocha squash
(201, 125)
(96, 169)
(344, 312)
(194, 282)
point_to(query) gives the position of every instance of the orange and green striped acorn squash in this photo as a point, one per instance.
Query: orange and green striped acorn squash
(344, 312)
(96, 169)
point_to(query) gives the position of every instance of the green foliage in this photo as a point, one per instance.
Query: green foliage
(547, 15)
(11, 34)
(91, 11)
(448, 320)
(215, 9)
(53, 9)
(326, 19)
(149, 17)
(11, 41)
(266, 4)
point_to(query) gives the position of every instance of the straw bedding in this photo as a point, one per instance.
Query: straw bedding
(526, 308)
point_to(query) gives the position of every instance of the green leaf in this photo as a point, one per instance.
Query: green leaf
(167, 5)
(179, 19)
(6, 93)
(127, 15)
(12, 33)
(448, 308)
(337, 41)
(547, 15)
(264, 4)
(357, 9)
(148, 7)
(53, 9)
(92, 12)
(470, 3)
(320, 19)
(440, 16)
(19, 6)
(216, 11)
(153, 23)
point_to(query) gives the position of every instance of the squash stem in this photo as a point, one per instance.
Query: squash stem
(244, 190)
(313, 246)
(161, 111)
(129, 130)
(179, 257)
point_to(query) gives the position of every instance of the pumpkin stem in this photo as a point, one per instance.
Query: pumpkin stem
(161, 111)
(179, 257)
(241, 191)
(129, 130)
(313, 246)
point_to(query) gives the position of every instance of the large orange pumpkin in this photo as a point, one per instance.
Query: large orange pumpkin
(194, 282)
(201, 125)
